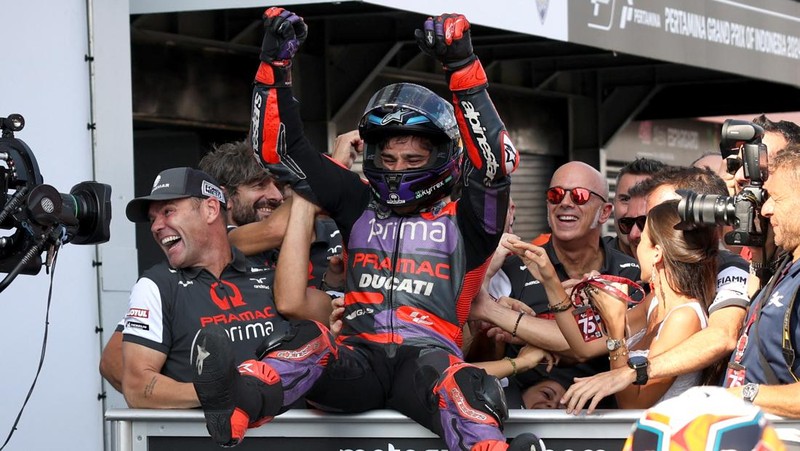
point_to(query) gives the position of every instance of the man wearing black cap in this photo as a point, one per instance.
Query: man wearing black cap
(204, 281)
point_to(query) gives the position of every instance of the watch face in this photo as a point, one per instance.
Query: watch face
(749, 392)
(612, 344)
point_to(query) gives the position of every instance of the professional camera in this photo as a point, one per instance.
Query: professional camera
(42, 217)
(742, 211)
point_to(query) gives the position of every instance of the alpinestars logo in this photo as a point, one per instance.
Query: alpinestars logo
(202, 355)
(395, 116)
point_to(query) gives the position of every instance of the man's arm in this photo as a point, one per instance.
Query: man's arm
(276, 132)
(145, 387)
(702, 349)
(291, 276)
(261, 236)
(111, 361)
(538, 332)
(775, 399)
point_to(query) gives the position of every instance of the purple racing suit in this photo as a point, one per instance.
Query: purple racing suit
(410, 278)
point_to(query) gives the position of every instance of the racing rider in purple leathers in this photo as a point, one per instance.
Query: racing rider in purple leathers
(414, 258)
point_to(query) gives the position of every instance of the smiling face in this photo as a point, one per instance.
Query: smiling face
(254, 201)
(570, 221)
(180, 228)
(405, 152)
(543, 395)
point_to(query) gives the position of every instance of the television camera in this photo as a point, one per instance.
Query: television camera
(42, 218)
(741, 211)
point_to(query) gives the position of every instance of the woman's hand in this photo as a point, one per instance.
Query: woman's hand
(530, 356)
(534, 257)
(611, 309)
(499, 256)
(593, 389)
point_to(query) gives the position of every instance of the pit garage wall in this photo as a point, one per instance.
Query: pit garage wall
(46, 78)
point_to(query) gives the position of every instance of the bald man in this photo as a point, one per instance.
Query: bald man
(577, 207)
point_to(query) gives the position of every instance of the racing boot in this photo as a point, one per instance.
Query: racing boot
(526, 442)
(216, 380)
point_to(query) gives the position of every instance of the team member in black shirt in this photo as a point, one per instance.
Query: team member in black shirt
(205, 281)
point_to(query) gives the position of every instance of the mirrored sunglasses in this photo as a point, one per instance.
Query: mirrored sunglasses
(578, 195)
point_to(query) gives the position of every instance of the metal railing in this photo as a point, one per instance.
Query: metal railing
(382, 430)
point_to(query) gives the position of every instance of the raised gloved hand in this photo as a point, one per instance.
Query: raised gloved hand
(447, 38)
(284, 32)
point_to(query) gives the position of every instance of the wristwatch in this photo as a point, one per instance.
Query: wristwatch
(613, 344)
(749, 392)
(640, 364)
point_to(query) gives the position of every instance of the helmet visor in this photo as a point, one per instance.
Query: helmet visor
(412, 97)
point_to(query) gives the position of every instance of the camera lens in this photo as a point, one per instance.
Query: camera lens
(705, 209)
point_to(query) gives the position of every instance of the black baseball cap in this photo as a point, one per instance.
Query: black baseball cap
(175, 183)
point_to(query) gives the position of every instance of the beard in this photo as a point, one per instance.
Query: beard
(243, 214)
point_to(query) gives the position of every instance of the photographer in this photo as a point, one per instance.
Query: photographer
(765, 368)
(776, 137)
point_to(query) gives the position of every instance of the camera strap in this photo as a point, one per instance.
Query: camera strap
(788, 350)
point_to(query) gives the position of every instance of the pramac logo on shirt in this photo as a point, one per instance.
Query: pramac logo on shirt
(225, 294)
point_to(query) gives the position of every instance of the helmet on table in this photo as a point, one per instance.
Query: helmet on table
(406, 109)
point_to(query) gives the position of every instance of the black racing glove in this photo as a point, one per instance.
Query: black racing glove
(447, 39)
(284, 32)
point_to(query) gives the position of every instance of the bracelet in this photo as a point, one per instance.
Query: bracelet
(623, 351)
(562, 306)
(513, 365)
(516, 325)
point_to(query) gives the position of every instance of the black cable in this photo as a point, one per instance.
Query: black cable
(44, 348)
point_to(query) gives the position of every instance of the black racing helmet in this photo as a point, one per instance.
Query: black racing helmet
(406, 109)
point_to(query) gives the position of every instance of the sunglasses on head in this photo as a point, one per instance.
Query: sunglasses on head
(579, 196)
(626, 223)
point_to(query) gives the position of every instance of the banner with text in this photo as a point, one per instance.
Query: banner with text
(754, 38)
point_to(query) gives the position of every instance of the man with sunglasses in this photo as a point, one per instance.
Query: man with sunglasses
(632, 173)
(577, 207)
(705, 348)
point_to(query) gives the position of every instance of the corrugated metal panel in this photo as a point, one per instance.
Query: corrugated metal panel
(528, 187)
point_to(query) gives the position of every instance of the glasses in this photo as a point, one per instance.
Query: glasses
(626, 223)
(579, 196)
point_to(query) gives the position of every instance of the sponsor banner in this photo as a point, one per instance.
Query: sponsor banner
(676, 142)
(754, 38)
(547, 18)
